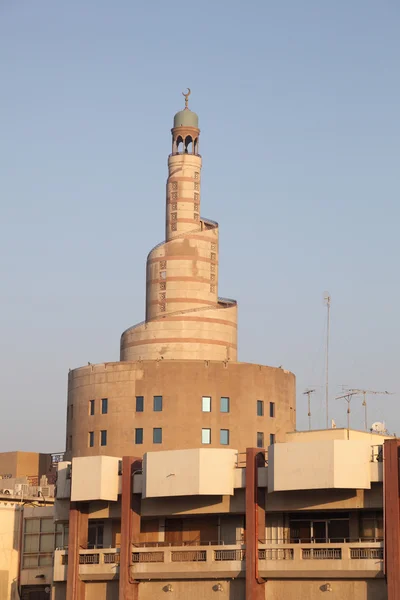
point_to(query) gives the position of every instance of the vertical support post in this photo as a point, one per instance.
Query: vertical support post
(78, 537)
(130, 527)
(255, 524)
(392, 517)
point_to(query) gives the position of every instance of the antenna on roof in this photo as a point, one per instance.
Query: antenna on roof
(363, 393)
(308, 394)
(327, 300)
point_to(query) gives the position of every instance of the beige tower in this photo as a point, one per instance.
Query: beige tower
(185, 318)
(178, 383)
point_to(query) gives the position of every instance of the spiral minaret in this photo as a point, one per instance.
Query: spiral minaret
(185, 318)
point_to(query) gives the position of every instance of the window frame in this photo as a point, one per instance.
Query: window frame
(103, 438)
(104, 404)
(272, 439)
(139, 399)
(260, 439)
(137, 430)
(260, 408)
(228, 401)
(90, 439)
(155, 406)
(223, 431)
(203, 399)
(154, 435)
(272, 410)
(92, 407)
(203, 431)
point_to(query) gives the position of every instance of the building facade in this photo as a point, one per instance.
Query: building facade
(178, 384)
(184, 476)
(303, 518)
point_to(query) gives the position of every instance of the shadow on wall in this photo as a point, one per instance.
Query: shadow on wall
(376, 589)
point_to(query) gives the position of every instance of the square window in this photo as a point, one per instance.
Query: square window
(91, 407)
(206, 404)
(224, 437)
(139, 403)
(91, 439)
(139, 436)
(206, 436)
(157, 435)
(104, 406)
(260, 439)
(271, 439)
(224, 404)
(103, 437)
(157, 403)
(272, 409)
(260, 408)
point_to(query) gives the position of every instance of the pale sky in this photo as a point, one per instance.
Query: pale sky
(299, 112)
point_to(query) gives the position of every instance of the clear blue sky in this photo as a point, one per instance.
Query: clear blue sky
(299, 110)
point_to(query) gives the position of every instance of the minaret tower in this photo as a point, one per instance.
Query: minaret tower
(185, 318)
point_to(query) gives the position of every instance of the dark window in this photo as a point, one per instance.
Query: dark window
(139, 436)
(157, 435)
(103, 437)
(104, 406)
(260, 408)
(260, 439)
(91, 439)
(91, 407)
(139, 404)
(157, 405)
(95, 534)
(271, 439)
(272, 409)
(224, 404)
(224, 437)
(206, 404)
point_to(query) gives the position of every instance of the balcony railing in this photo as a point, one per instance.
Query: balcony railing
(321, 553)
(289, 560)
(147, 557)
(234, 554)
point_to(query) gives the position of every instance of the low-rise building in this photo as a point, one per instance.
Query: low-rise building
(302, 519)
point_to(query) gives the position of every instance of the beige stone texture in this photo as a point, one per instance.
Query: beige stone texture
(94, 478)
(185, 319)
(320, 464)
(182, 384)
(201, 471)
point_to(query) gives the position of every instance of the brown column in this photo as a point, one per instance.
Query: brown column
(130, 528)
(78, 536)
(255, 524)
(392, 517)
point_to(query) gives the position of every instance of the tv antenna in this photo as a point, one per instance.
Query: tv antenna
(308, 394)
(363, 393)
(347, 396)
(327, 300)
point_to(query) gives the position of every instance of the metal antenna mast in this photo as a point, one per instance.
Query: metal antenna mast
(363, 393)
(327, 299)
(348, 396)
(308, 394)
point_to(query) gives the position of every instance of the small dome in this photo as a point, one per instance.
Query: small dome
(186, 118)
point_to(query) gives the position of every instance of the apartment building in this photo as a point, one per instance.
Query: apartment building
(299, 520)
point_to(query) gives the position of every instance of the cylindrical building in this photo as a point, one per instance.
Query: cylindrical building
(178, 383)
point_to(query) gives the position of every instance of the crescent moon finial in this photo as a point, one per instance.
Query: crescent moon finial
(187, 96)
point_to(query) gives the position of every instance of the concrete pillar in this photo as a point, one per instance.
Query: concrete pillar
(130, 528)
(78, 537)
(255, 524)
(392, 517)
